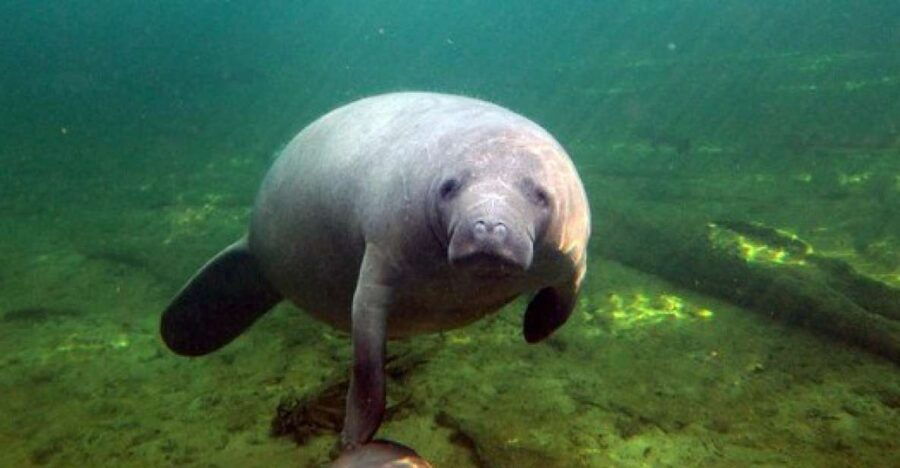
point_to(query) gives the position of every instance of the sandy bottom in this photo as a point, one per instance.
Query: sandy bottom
(644, 374)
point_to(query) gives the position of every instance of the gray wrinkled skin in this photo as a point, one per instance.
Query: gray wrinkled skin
(369, 172)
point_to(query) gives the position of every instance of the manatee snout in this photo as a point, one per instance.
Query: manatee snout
(493, 243)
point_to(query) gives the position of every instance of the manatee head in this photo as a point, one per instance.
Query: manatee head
(492, 205)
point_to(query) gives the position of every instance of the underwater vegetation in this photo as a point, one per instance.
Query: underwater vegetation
(741, 160)
(39, 314)
(756, 266)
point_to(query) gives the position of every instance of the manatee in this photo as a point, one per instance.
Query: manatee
(381, 454)
(395, 215)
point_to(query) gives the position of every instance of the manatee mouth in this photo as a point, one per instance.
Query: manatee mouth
(489, 265)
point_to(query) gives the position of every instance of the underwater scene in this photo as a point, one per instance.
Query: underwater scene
(672, 241)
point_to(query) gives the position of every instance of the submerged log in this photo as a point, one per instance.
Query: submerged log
(759, 268)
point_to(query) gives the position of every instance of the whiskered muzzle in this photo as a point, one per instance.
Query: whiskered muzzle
(490, 247)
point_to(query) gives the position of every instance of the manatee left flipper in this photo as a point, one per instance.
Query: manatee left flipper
(549, 310)
(223, 298)
(366, 398)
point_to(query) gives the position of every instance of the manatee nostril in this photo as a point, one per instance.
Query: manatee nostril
(480, 228)
(483, 230)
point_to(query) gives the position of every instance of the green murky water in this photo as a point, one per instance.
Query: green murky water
(133, 136)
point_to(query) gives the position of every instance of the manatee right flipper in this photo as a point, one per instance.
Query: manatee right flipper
(368, 330)
(222, 299)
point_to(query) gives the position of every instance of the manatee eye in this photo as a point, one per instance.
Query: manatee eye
(449, 188)
(535, 193)
(541, 197)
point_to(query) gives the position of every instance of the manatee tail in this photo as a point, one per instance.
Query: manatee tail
(221, 301)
